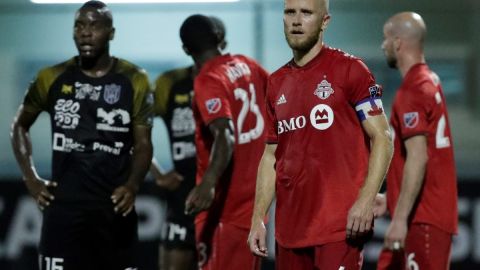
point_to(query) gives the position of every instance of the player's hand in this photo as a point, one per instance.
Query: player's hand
(396, 234)
(38, 188)
(380, 205)
(200, 198)
(169, 181)
(257, 239)
(123, 198)
(360, 218)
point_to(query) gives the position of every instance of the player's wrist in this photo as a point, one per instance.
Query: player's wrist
(257, 221)
(258, 217)
(367, 195)
(209, 179)
(132, 186)
(31, 178)
(400, 218)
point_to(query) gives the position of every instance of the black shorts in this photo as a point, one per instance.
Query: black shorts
(178, 235)
(87, 237)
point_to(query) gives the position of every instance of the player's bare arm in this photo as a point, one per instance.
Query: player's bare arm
(123, 197)
(264, 194)
(360, 216)
(413, 175)
(201, 197)
(169, 181)
(22, 148)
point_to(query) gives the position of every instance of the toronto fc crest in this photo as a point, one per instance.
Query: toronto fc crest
(324, 89)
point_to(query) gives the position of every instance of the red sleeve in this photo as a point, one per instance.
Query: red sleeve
(361, 83)
(414, 110)
(270, 117)
(211, 98)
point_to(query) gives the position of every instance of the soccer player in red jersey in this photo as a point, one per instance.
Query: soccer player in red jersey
(173, 101)
(228, 107)
(421, 182)
(328, 149)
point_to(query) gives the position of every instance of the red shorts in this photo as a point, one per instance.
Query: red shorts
(331, 256)
(426, 247)
(224, 246)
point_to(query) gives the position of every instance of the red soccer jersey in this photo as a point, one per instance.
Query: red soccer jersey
(419, 108)
(231, 87)
(322, 151)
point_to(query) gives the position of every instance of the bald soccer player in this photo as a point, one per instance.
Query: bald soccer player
(100, 112)
(328, 149)
(421, 183)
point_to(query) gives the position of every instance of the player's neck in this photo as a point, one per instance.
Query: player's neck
(302, 58)
(201, 58)
(96, 67)
(408, 60)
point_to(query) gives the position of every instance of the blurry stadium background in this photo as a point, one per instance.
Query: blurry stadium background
(36, 35)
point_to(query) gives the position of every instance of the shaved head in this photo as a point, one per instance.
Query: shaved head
(403, 37)
(100, 8)
(325, 5)
(408, 26)
(322, 4)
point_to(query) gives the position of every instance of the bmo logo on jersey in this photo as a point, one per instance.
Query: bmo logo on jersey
(321, 118)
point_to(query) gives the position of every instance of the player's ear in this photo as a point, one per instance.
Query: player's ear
(397, 43)
(185, 49)
(112, 33)
(325, 21)
(222, 45)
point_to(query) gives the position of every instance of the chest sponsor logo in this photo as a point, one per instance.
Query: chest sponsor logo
(66, 114)
(281, 100)
(324, 89)
(182, 122)
(67, 89)
(410, 119)
(85, 90)
(183, 150)
(111, 94)
(321, 118)
(64, 144)
(182, 99)
(116, 149)
(213, 105)
(115, 120)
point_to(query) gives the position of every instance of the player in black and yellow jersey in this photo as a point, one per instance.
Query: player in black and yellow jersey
(173, 99)
(100, 109)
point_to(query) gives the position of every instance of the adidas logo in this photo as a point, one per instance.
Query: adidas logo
(282, 100)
